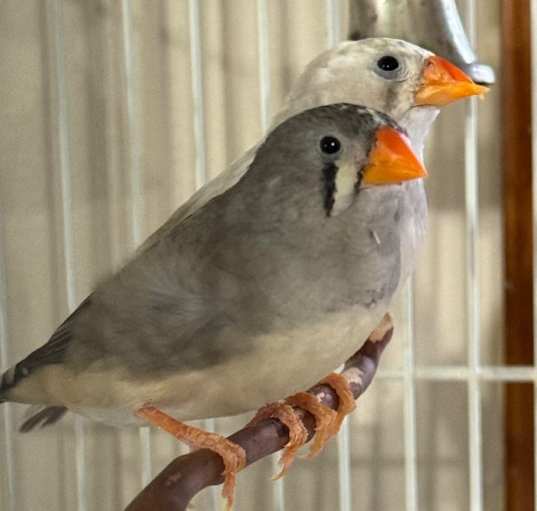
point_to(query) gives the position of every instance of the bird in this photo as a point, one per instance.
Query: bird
(401, 79)
(252, 297)
(395, 77)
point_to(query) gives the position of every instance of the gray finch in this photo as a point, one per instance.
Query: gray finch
(254, 296)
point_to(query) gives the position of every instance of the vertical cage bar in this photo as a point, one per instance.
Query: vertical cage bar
(472, 303)
(344, 466)
(198, 121)
(60, 115)
(265, 95)
(210, 425)
(135, 182)
(197, 92)
(113, 158)
(472, 285)
(133, 142)
(409, 383)
(333, 37)
(263, 63)
(9, 461)
(533, 35)
(333, 22)
(133, 139)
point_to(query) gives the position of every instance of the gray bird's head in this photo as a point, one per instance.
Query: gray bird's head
(389, 75)
(323, 157)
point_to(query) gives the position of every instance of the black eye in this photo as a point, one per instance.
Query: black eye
(388, 63)
(330, 145)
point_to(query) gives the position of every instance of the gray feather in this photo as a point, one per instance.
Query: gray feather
(53, 352)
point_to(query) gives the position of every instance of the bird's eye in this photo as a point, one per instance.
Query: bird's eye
(330, 145)
(387, 63)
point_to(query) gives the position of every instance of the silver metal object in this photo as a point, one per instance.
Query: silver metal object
(433, 24)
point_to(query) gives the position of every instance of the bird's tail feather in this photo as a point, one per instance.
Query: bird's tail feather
(6, 382)
(41, 417)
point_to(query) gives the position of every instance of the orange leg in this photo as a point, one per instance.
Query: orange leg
(297, 431)
(233, 455)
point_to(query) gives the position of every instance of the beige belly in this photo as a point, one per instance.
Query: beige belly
(279, 365)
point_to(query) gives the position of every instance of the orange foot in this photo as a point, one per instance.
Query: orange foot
(233, 455)
(298, 434)
(327, 421)
(346, 405)
(324, 418)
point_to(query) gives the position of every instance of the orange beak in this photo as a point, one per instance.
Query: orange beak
(392, 160)
(443, 83)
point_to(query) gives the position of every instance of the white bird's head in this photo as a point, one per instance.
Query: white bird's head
(398, 78)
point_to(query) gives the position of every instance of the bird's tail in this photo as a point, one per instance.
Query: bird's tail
(41, 417)
(38, 416)
(6, 382)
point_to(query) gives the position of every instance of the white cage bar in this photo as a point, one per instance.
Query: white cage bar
(198, 121)
(472, 285)
(135, 180)
(59, 108)
(265, 99)
(333, 37)
(473, 374)
(4, 365)
(197, 92)
(410, 426)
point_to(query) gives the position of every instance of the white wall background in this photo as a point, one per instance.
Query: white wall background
(99, 143)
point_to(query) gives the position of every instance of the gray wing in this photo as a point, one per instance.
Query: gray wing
(53, 352)
(217, 186)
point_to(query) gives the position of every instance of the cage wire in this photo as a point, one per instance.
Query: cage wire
(473, 374)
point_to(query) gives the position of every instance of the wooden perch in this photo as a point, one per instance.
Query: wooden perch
(187, 475)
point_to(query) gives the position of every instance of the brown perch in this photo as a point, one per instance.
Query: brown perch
(187, 475)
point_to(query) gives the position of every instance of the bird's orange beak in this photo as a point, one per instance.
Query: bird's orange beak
(443, 83)
(391, 160)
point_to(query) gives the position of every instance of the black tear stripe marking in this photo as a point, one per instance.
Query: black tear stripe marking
(329, 182)
(359, 180)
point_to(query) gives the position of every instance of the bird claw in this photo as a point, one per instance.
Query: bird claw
(324, 418)
(233, 455)
(298, 433)
(327, 421)
(346, 405)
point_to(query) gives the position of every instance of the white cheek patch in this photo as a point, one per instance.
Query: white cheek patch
(346, 180)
